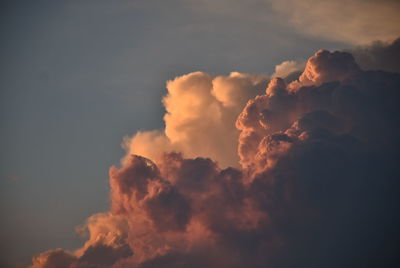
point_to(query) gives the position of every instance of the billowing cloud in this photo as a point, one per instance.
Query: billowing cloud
(326, 67)
(106, 245)
(316, 184)
(287, 68)
(53, 259)
(200, 118)
(355, 22)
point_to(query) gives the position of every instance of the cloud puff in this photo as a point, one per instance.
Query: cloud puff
(53, 259)
(106, 244)
(325, 67)
(317, 184)
(287, 68)
(355, 22)
(200, 118)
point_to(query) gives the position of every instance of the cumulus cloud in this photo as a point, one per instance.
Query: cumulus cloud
(325, 67)
(106, 245)
(316, 185)
(200, 118)
(355, 22)
(53, 259)
(287, 68)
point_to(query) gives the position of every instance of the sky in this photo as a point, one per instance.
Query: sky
(79, 76)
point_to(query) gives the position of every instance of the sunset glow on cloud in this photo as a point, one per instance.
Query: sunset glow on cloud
(253, 171)
(201, 111)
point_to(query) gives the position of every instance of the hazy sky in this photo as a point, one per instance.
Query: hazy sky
(78, 76)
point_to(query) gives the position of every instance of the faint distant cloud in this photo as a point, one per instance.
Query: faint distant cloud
(355, 22)
(13, 178)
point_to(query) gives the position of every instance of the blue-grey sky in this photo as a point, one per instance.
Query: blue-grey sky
(77, 76)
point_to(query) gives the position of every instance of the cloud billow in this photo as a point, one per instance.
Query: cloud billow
(314, 182)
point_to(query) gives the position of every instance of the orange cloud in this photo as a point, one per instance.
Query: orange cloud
(318, 160)
(200, 118)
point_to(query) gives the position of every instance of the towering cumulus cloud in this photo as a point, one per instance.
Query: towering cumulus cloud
(314, 181)
(201, 110)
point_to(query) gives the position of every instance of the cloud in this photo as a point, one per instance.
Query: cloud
(106, 244)
(287, 68)
(53, 259)
(378, 56)
(317, 184)
(354, 22)
(200, 118)
(325, 67)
